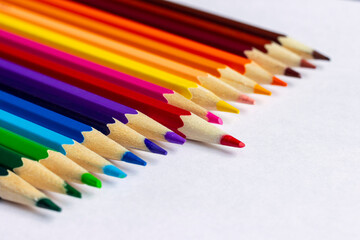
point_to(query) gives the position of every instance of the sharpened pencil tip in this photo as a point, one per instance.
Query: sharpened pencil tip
(154, 148)
(174, 138)
(260, 90)
(225, 107)
(129, 157)
(113, 171)
(278, 82)
(317, 55)
(212, 118)
(230, 141)
(292, 73)
(71, 191)
(90, 180)
(306, 64)
(48, 204)
(246, 99)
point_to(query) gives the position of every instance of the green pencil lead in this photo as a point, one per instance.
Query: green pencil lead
(90, 180)
(48, 204)
(71, 191)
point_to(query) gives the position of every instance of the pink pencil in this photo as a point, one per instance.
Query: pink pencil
(110, 75)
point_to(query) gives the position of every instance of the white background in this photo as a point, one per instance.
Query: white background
(297, 178)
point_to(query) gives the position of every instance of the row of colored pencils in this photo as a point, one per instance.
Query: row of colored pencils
(83, 81)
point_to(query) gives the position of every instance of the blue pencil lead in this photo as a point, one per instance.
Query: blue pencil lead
(154, 148)
(132, 158)
(113, 171)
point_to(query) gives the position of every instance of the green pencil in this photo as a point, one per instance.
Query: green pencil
(54, 161)
(35, 173)
(15, 189)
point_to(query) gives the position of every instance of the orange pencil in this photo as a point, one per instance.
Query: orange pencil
(177, 48)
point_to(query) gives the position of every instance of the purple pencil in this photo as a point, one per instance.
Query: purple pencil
(107, 116)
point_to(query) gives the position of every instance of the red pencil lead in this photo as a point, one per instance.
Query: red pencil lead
(306, 64)
(228, 140)
(292, 73)
(317, 55)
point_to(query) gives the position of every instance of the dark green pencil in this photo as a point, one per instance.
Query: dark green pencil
(15, 189)
(35, 173)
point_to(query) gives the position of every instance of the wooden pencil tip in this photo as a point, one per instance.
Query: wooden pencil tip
(172, 137)
(306, 64)
(246, 99)
(48, 204)
(212, 118)
(278, 82)
(260, 90)
(230, 141)
(292, 73)
(71, 191)
(226, 107)
(317, 55)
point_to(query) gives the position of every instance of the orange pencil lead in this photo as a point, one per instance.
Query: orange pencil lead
(278, 82)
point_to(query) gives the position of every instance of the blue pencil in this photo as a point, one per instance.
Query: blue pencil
(70, 148)
(80, 132)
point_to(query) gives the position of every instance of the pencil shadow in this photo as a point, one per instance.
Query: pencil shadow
(108, 180)
(62, 199)
(206, 146)
(290, 84)
(167, 146)
(41, 214)
(150, 157)
(83, 188)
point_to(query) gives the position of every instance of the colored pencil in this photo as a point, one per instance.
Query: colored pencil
(35, 173)
(268, 47)
(207, 80)
(104, 115)
(229, 45)
(70, 148)
(15, 189)
(21, 81)
(203, 71)
(52, 160)
(83, 66)
(80, 132)
(188, 89)
(282, 39)
(182, 49)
